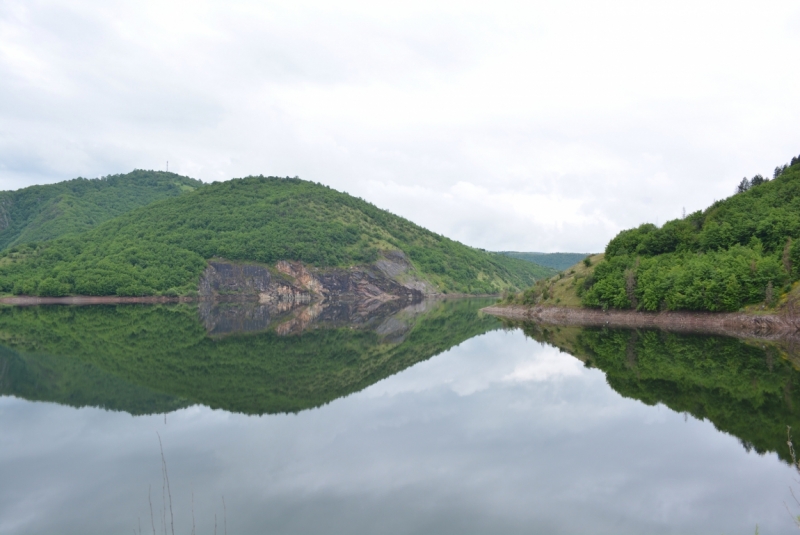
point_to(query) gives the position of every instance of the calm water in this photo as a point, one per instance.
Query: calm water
(432, 419)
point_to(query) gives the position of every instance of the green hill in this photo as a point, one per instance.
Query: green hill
(150, 359)
(741, 250)
(163, 248)
(40, 213)
(554, 261)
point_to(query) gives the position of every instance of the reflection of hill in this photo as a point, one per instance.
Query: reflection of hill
(750, 390)
(77, 383)
(155, 358)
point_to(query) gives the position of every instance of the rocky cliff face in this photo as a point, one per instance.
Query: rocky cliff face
(359, 296)
(223, 278)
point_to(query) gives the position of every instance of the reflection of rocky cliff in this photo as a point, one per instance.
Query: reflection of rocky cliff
(221, 317)
(156, 358)
(292, 297)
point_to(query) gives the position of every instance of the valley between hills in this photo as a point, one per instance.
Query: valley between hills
(153, 236)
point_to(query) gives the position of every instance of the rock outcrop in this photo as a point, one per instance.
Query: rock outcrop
(295, 295)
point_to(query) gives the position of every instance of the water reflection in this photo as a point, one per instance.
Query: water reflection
(500, 432)
(748, 388)
(241, 357)
(221, 317)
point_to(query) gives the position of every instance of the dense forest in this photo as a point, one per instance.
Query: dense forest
(750, 390)
(150, 359)
(41, 213)
(554, 261)
(741, 250)
(162, 248)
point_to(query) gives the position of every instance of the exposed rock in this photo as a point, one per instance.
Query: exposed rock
(228, 278)
(395, 265)
(363, 295)
(301, 275)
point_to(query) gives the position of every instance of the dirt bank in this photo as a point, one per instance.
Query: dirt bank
(729, 324)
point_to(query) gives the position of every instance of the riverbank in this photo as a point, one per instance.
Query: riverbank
(91, 300)
(767, 326)
(152, 300)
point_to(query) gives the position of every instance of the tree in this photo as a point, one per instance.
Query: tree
(743, 186)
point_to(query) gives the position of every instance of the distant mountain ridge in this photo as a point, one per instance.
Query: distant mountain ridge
(555, 261)
(164, 247)
(40, 213)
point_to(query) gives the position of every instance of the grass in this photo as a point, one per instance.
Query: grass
(562, 289)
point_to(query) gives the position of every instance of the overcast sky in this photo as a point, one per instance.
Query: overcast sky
(538, 126)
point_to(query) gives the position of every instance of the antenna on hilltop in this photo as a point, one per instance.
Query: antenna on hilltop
(167, 166)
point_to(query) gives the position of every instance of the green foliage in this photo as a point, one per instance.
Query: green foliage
(162, 248)
(40, 213)
(563, 289)
(745, 389)
(554, 261)
(720, 259)
(155, 358)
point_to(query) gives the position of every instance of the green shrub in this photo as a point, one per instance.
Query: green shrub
(735, 253)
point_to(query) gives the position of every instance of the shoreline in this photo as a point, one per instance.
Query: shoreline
(93, 300)
(736, 324)
(154, 299)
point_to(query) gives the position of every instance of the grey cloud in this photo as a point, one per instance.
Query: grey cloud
(410, 107)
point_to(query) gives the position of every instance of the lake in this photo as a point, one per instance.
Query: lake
(433, 418)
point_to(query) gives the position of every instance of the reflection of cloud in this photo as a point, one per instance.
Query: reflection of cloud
(470, 368)
(568, 456)
(547, 366)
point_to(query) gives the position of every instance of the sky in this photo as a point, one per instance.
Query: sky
(530, 126)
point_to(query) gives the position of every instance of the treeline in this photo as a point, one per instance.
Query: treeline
(555, 261)
(163, 248)
(741, 250)
(40, 213)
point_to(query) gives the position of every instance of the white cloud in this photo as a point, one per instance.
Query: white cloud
(529, 126)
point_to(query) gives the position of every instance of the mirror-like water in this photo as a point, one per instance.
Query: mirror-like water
(429, 419)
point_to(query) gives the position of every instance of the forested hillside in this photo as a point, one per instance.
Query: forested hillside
(554, 261)
(163, 248)
(40, 213)
(741, 250)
